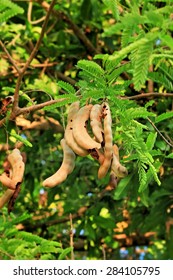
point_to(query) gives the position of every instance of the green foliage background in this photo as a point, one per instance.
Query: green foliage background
(131, 54)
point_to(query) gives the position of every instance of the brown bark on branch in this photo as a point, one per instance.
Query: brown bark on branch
(10, 58)
(16, 109)
(36, 107)
(148, 95)
(77, 31)
(161, 135)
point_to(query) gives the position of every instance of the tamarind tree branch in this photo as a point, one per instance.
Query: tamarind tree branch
(38, 106)
(146, 95)
(77, 31)
(161, 135)
(10, 58)
(16, 109)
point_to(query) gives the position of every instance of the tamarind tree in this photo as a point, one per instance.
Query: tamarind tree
(54, 54)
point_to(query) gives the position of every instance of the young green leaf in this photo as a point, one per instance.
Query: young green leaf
(67, 87)
(164, 116)
(151, 140)
(21, 139)
(64, 253)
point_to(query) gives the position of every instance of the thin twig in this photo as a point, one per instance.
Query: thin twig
(32, 55)
(104, 252)
(30, 12)
(146, 95)
(77, 31)
(40, 65)
(67, 79)
(6, 254)
(10, 58)
(71, 237)
(2, 122)
(150, 82)
(161, 135)
(38, 106)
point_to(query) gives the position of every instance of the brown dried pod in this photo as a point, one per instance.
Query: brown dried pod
(65, 169)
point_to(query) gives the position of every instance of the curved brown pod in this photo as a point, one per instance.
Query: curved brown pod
(108, 152)
(65, 169)
(97, 155)
(80, 132)
(7, 182)
(18, 166)
(96, 122)
(6, 197)
(73, 109)
(119, 170)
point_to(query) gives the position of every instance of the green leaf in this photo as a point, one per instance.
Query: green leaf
(164, 116)
(143, 183)
(134, 113)
(144, 197)
(27, 236)
(133, 46)
(141, 59)
(120, 190)
(170, 155)
(21, 139)
(167, 40)
(9, 10)
(90, 67)
(161, 79)
(104, 222)
(89, 231)
(67, 87)
(92, 72)
(68, 98)
(113, 6)
(46, 257)
(65, 252)
(151, 140)
(47, 248)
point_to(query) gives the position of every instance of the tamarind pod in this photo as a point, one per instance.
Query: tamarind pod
(72, 143)
(18, 167)
(80, 132)
(119, 170)
(65, 169)
(73, 109)
(95, 122)
(6, 197)
(16, 161)
(108, 152)
(97, 154)
(7, 182)
(114, 180)
(68, 135)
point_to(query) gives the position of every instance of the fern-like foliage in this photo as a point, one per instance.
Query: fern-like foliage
(8, 9)
(21, 139)
(61, 101)
(141, 59)
(113, 6)
(163, 73)
(91, 72)
(67, 87)
(22, 245)
(161, 79)
(116, 71)
(164, 116)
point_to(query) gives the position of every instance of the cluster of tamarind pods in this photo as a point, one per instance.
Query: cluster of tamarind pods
(78, 141)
